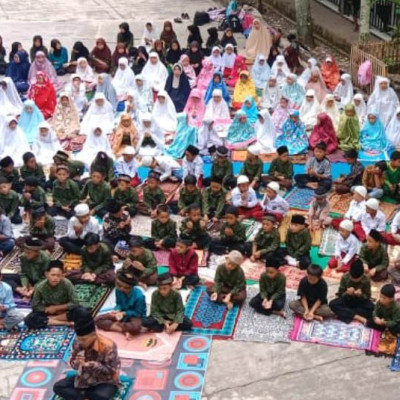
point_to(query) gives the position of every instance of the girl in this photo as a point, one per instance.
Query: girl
(155, 73)
(151, 139)
(217, 110)
(293, 91)
(317, 84)
(330, 73)
(139, 60)
(344, 91)
(18, 71)
(324, 131)
(194, 35)
(42, 64)
(212, 40)
(207, 137)
(125, 36)
(329, 106)
(217, 60)
(195, 108)
(105, 86)
(42, 92)
(241, 132)
(205, 76)
(250, 109)
(85, 72)
(164, 113)
(125, 135)
(265, 133)
(348, 131)
(306, 74)
(124, 79)
(280, 71)
(393, 129)
(372, 135)
(260, 73)
(168, 34)
(196, 56)
(281, 114)
(217, 83)
(309, 110)
(228, 59)
(271, 96)
(101, 56)
(228, 38)
(45, 144)
(143, 94)
(238, 67)
(120, 52)
(97, 141)
(188, 69)
(76, 89)
(58, 56)
(30, 119)
(150, 34)
(79, 50)
(185, 136)
(243, 88)
(174, 53)
(178, 87)
(360, 107)
(294, 135)
(37, 45)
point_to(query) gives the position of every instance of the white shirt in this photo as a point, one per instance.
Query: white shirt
(165, 165)
(194, 167)
(348, 246)
(127, 168)
(356, 211)
(395, 226)
(277, 205)
(251, 198)
(92, 226)
(368, 223)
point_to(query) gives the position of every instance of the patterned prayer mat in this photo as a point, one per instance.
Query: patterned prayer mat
(61, 227)
(293, 276)
(210, 318)
(255, 327)
(253, 270)
(387, 344)
(239, 155)
(91, 296)
(335, 333)
(331, 275)
(252, 228)
(52, 343)
(300, 198)
(141, 225)
(339, 202)
(395, 363)
(169, 189)
(214, 229)
(328, 241)
(147, 346)
(284, 226)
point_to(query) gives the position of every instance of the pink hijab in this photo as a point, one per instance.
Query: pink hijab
(46, 67)
(195, 108)
(205, 75)
(188, 70)
(319, 86)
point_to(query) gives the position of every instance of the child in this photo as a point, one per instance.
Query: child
(232, 234)
(392, 177)
(7, 241)
(9, 315)
(189, 194)
(126, 195)
(194, 228)
(163, 230)
(8, 171)
(141, 262)
(167, 310)
(244, 197)
(163, 165)
(318, 170)
(65, 194)
(318, 213)
(373, 218)
(128, 166)
(9, 201)
(97, 265)
(386, 313)
(213, 200)
(374, 255)
(222, 166)
(392, 238)
(298, 243)
(230, 282)
(313, 292)
(373, 179)
(43, 227)
(96, 192)
(76, 168)
(345, 183)
(273, 203)
(253, 167)
(183, 265)
(130, 307)
(153, 194)
(32, 168)
(52, 299)
(353, 299)
(272, 296)
(267, 240)
(346, 247)
(33, 195)
(281, 169)
(192, 164)
(78, 227)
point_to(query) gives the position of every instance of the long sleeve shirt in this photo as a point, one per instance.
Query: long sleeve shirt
(97, 262)
(6, 296)
(272, 289)
(194, 167)
(6, 227)
(239, 232)
(152, 198)
(168, 308)
(347, 246)
(298, 244)
(355, 211)
(321, 167)
(378, 258)
(165, 231)
(67, 194)
(213, 202)
(92, 226)
(33, 271)
(346, 282)
(250, 197)
(132, 304)
(183, 264)
(234, 281)
(9, 202)
(276, 205)
(390, 313)
(278, 167)
(148, 261)
(186, 198)
(221, 170)
(111, 228)
(395, 225)
(38, 198)
(97, 195)
(378, 222)
(127, 168)
(267, 242)
(128, 198)
(252, 170)
(47, 231)
(165, 166)
(194, 233)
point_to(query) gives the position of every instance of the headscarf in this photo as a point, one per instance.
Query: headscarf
(155, 75)
(165, 114)
(265, 133)
(207, 136)
(330, 72)
(117, 55)
(318, 86)
(19, 72)
(168, 36)
(79, 50)
(155, 134)
(260, 73)
(126, 36)
(217, 111)
(185, 136)
(332, 111)
(306, 74)
(173, 56)
(309, 110)
(44, 95)
(229, 59)
(65, 120)
(217, 61)
(194, 35)
(348, 131)
(188, 70)
(361, 110)
(195, 57)
(220, 85)
(179, 93)
(46, 67)
(259, 41)
(242, 90)
(195, 109)
(393, 129)
(344, 91)
(78, 95)
(6, 107)
(85, 73)
(294, 92)
(44, 147)
(123, 131)
(238, 67)
(280, 59)
(108, 89)
(124, 79)
(240, 133)
(205, 76)
(143, 95)
(271, 95)
(12, 95)
(279, 116)
(29, 122)
(372, 136)
(324, 131)
(103, 54)
(251, 112)
(228, 39)
(93, 145)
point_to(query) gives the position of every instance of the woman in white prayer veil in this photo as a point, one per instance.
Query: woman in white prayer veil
(143, 94)
(309, 110)
(330, 107)
(6, 107)
(151, 139)
(280, 71)
(100, 112)
(13, 141)
(344, 91)
(393, 129)
(383, 100)
(272, 95)
(207, 137)
(361, 107)
(306, 75)
(46, 144)
(124, 79)
(12, 94)
(164, 113)
(265, 133)
(217, 110)
(155, 72)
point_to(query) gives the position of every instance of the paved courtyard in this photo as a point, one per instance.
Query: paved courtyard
(237, 370)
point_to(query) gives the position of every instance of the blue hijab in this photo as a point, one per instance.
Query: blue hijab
(29, 122)
(185, 135)
(108, 89)
(239, 131)
(221, 85)
(372, 136)
(251, 112)
(18, 72)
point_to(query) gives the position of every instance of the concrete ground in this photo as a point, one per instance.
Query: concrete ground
(237, 370)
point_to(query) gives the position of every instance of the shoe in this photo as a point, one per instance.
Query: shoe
(178, 20)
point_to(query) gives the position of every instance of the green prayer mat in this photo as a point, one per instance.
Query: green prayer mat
(322, 261)
(91, 296)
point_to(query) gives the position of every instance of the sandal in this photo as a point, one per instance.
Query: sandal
(178, 20)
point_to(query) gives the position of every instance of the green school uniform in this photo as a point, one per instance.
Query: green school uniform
(186, 199)
(98, 194)
(378, 258)
(391, 313)
(252, 171)
(272, 289)
(147, 259)
(278, 167)
(38, 198)
(35, 172)
(9, 203)
(98, 262)
(239, 232)
(152, 198)
(128, 197)
(234, 281)
(165, 231)
(364, 284)
(267, 241)
(168, 308)
(221, 170)
(46, 232)
(32, 271)
(298, 244)
(213, 202)
(66, 195)
(12, 177)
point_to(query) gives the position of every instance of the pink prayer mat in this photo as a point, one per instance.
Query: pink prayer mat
(253, 270)
(146, 346)
(293, 276)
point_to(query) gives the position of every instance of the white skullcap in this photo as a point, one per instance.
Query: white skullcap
(129, 150)
(361, 191)
(373, 204)
(147, 161)
(254, 150)
(81, 210)
(274, 186)
(347, 225)
(242, 179)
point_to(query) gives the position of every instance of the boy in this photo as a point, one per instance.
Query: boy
(346, 247)
(163, 166)
(373, 179)
(392, 176)
(33, 195)
(9, 315)
(32, 168)
(8, 171)
(97, 266)
(167, 310)
(65, 194)
(313, 292)
(230, 282)
(192, 163)
(52, 299)
(222, 167)
(126, 195)
(153, 194)
(281, 169)
(318, 213)
(298, 243)
(213, 200)
(43, 227)
(272, 296)
(345, 183)
(141, 262)
(373, 218)
(183, 265)
(253, 167)
(267, 240)
(76, 168)
(163, 230)
(318, 170)
(244, 197)
(189, 194)
(7, 241)
(96, 192)
(353, 299)
(194, 228)
(130, 307)
(392, 238)
(386, 313)
(128, 166)
(78, 227)
(374, 255)
(9, 201)
(273, 203)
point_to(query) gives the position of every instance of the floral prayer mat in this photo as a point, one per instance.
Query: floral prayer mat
(252, 228)
(92, 296)
(208, 317)
(387, 344)
(395, 363)
(328, 241)
(61, 227)
(333, 332)
(331, 275)
(255, 327)
(253, 270)
(339, 202)
(293, 276)
(300, 198)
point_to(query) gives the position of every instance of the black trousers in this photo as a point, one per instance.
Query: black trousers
(201, 240)
(152, 324)
(304, 260)
(16, 218)
(73, 246)
(395, 330)
(54, 211)
(347, 307)
(168, 243)
(303, 179)
(221, 247)
(277, 305)
(66, 390)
